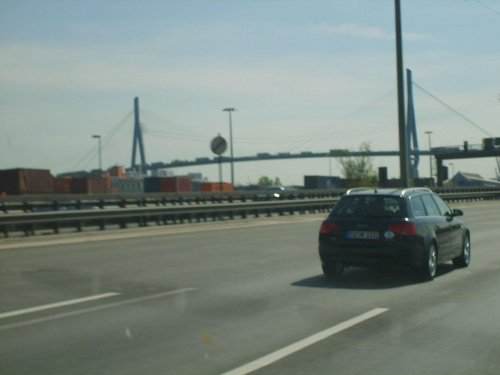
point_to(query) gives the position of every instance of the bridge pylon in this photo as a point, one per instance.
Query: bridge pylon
(137, 138)
(411, 126)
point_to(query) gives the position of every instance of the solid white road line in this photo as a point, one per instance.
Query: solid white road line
(93, 309)
(55, 305)
(299, 345)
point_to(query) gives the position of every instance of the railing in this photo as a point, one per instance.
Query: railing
(30, 222)
(31, 214)
(12, 204)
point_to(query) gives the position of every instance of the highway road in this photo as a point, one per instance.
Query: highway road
(240, 297)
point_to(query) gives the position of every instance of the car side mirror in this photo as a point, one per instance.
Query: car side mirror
(457, 212)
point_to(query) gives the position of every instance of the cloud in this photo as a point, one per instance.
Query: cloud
(365, 32)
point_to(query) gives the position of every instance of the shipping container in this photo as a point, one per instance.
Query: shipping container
(321, 182)
(79, 185)
(63, 185)
(167, 185)
(195, 186)
(101, 184)
(215, 186)
(133, 185)
(93, 184)
(175, 185)
(152, 184)
(114, 185)
(116, 171)
(26, 181)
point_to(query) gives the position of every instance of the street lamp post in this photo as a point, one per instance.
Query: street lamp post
(430, 155)
(100, 155)
(231, 141)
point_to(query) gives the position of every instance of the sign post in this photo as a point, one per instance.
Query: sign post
(219, 146)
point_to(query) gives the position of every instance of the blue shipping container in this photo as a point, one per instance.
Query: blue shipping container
(152, 184)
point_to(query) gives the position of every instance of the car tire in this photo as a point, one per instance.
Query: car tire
(428, 270)
(333, 271)
(463, 260)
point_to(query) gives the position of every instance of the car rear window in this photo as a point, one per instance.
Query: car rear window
(369, 206)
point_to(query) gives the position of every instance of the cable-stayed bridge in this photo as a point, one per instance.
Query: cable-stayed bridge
(179, 146)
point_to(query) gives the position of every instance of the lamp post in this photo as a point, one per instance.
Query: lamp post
(430, 155)
(100, 155)
(231, 141)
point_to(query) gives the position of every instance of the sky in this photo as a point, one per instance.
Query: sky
(304, 75)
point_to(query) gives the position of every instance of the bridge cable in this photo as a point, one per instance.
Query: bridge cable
(454, 110)
(487, 7)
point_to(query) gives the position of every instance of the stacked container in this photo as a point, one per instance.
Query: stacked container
(63, 185)
(93, 184)
(26, 181)
(167, 185)
(215, 186)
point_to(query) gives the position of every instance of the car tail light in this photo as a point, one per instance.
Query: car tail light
(327, 227)
(403, 229)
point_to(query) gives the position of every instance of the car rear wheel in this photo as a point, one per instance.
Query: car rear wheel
(333, 271)
(464, 259)
(428, 270)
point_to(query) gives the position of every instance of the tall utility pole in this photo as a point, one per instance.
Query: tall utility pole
(403, 136)
(231, 141)
(100, 152)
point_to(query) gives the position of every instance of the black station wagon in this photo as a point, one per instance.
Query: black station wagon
(378, 227)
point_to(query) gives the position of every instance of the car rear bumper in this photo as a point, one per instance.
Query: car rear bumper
(401, 255)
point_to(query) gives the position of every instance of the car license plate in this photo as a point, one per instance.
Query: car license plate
(363, 235)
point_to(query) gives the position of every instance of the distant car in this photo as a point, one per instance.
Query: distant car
(377, 227)
(273, 192)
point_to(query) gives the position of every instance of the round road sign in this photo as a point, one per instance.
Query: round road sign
(218, 145)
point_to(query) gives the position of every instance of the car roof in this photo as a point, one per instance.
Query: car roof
(385, 191)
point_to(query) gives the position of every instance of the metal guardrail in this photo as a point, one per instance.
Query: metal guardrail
(29, 223)
(174, 208)
(40, 203)
(458, 197)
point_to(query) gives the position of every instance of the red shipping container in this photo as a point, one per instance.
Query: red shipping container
(79, 185)
(100, 184)
(215, 186)
(175, 184)
(26, 181)
(116, 171)
(63, 185)
(94, 184)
